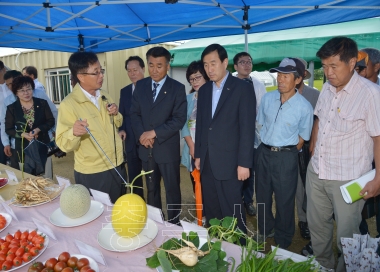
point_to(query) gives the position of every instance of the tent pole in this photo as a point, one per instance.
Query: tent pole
(311, 70)
(246, 40)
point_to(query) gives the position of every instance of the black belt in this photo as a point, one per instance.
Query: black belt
(279, 148)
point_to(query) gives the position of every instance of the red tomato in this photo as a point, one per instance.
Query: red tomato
(47, 270)
(31, 235)
(8, 238)
(82, 262)
(2, 240)
(51, 263)
(40, 246)
(10, 257)
(17, 235)
(27, 257)
(2, 257)
(34, 251)
(64, 257)
(67, 269)
(7, 265)
(4, 251)
(24, 235)
(2, 224)
(85, 268)
(17, 261)
(59, 266)
(72, 262)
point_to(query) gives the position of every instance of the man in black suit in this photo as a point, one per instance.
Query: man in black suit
(224, 137)
(135, 68)
(158, 113)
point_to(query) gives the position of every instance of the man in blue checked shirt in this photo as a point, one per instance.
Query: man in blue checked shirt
(286, 120)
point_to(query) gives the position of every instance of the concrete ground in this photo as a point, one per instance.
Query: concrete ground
(65, 167)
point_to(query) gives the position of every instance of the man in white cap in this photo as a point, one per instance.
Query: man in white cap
(286, 119)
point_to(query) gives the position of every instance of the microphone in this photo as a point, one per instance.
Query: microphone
(108, 105)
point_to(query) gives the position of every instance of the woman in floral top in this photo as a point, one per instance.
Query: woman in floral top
(196, 76)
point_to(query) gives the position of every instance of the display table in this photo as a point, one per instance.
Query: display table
(133, 261)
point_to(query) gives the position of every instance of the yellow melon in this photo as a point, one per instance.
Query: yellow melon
(75, 201)
(129, 215)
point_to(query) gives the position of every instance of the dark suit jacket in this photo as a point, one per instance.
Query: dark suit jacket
(15, 121)
(124, 109)
(229, 136)
(166, 116)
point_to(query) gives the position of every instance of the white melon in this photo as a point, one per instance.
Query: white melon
(75, 201)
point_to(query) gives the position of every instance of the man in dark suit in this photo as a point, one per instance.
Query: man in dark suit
(224, 137)
(135, 68)
(158, 113)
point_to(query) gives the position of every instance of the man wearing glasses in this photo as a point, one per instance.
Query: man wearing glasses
(87, 107)
(243, 67)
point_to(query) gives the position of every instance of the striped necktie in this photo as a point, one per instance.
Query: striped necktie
(155, 85)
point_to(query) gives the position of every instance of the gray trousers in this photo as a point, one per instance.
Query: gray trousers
(300, 195)
(324, 199)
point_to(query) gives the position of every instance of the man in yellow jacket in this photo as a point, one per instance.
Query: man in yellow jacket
(88, 107)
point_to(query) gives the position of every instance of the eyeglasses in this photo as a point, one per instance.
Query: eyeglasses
(25, 91)
(102, 71)
(197, 78)
(242, 62)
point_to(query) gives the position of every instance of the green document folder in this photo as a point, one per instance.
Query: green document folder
(354, 190)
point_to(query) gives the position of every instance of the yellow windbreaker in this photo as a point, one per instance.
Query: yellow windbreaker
(88, 158)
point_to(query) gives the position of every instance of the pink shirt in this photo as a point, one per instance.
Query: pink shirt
(347, 121)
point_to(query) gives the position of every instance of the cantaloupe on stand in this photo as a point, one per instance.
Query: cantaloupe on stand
(129, 213)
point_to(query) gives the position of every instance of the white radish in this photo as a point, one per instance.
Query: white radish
(186, 255)
(200, 253)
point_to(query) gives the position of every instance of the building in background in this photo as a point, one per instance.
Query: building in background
(54, 73)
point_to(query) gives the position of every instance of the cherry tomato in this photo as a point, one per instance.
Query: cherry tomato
(24, 235)
(15, 241)
(17, 235)
(27, 257)
(9, 238)
(20, 252)
(11, 245)
(2, 240)
(38, 239)
(17, 261)
(40, 246)
(5, 245)
(67, 269)
(24, 244)
(12, 250)
(59, 266)
(51, 263)
(4, 251)
(64, 257)
(2, 257)
(82, 262)
(1, 264)
(2, 224)
(72, 262)
(7, 265)
(10, 257)
(34, 251)
(31, 235)
(28, 248)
